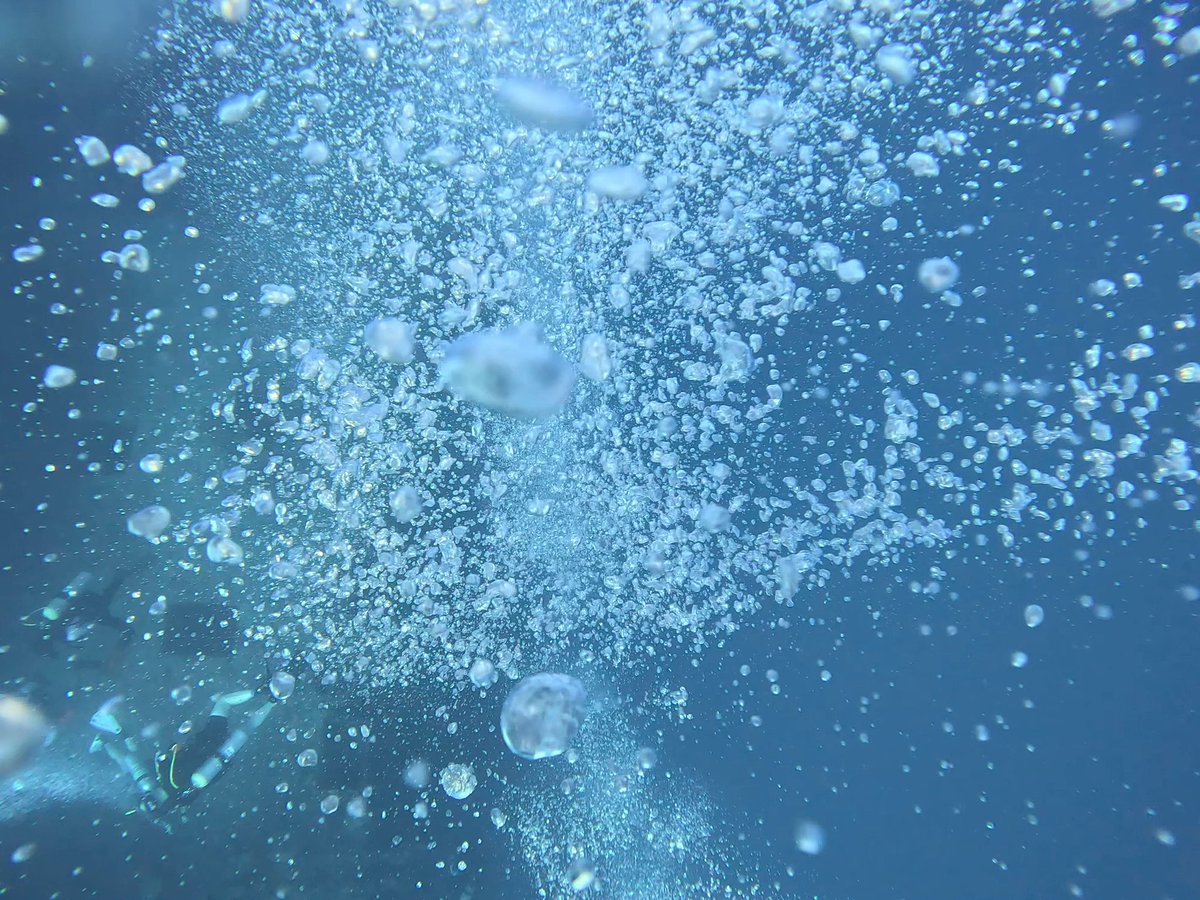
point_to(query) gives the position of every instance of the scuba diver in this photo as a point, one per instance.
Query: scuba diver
(194, 762)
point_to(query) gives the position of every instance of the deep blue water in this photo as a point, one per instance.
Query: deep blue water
(1091, 748)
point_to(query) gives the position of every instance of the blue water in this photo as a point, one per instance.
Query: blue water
(879, 701)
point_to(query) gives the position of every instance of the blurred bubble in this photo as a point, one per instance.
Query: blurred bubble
(541, 715)
(282, 685)
(810, 837)
(23, 730)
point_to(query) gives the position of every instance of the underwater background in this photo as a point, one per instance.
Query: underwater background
(812, 383)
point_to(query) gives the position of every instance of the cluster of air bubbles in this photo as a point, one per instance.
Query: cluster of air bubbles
(527, 391)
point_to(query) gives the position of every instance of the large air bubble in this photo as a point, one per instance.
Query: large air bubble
(511, 371)
(542, 714)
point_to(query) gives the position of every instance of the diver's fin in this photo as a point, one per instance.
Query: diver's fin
(104, 719)
(235, 698)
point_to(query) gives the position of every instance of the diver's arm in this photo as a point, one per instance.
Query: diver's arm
(125, 754)
(123, 750)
